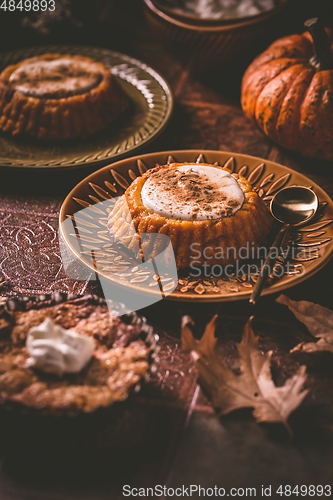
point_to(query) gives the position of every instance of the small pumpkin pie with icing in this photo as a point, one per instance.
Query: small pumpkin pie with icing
(59, 96)
(208, 213)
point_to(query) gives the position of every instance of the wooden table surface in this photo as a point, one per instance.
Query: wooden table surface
(171, 434)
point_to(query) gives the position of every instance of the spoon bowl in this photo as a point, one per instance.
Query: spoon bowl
(294, 205)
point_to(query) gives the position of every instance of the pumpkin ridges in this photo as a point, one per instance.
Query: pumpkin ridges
(258, 81)
(270, 100)
(287, 129)
(326, 108)
(317, 126)
(326, 114)
(296, 112)
(309, 120)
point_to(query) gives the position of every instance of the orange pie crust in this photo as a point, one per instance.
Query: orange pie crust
(55, 116)
(213, 241)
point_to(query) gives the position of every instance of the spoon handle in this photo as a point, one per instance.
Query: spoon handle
(268, 264)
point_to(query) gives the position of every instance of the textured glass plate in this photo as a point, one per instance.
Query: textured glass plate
(150, 109)
(313, 242)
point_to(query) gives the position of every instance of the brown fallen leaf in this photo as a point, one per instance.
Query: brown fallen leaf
(317, 319)
(254, 387)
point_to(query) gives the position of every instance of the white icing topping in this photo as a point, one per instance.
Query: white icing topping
(192, 192)
(55, 78)
(53, 349)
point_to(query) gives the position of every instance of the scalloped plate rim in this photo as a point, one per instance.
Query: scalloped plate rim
(231, 296)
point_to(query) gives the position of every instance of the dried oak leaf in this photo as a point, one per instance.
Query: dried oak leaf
(317, 319)
(253, 387)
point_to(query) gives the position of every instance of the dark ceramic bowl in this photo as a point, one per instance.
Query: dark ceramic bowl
(208, 42)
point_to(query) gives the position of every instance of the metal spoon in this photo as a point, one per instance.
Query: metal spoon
(292, 206)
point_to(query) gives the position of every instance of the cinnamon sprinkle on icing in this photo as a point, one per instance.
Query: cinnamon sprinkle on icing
(192, 192)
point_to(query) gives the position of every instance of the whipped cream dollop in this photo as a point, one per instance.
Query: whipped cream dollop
(53, 349)
(55, 78)
(192, 192)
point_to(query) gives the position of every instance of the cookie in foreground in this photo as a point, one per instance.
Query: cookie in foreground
(121, 358)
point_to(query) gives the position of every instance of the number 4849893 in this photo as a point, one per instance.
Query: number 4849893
(27, 5)
(309, 491)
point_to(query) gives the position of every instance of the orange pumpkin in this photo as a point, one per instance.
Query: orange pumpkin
(288, 92)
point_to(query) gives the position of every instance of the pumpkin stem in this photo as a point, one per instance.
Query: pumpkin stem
(323, 58)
